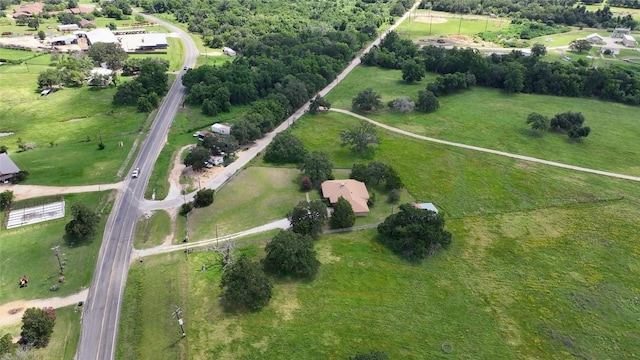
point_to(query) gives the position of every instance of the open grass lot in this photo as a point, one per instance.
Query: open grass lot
(532, 284)
(151, 231)
(174, 54)
(256, 196)
(563, 39)
(11, 54)
(424, 23)
(490, 118)
(27, 251)
(64, 340)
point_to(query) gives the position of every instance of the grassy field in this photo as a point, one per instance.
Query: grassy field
(565, 38)
(27, 251)
(152, 231)
(174, 54)
(11, 54)
(517, 285)
(424, 23)
(490, 118)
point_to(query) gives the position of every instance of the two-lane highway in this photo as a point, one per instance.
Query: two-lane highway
(100, 319)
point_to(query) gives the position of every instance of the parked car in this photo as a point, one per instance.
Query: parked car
(135, 173)
(196, 134)
(208, 164)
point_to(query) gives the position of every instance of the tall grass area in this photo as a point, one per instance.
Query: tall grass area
(493, 119)
(27, 251)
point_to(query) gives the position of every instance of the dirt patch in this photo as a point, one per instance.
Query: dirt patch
(286, 302)
(5, 134)
(429, 19)
(325, 256)
(14, 311)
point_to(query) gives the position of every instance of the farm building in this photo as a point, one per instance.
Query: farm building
(7, 168)
(426, 206)
(221, 129)
(620, 32)
(595, 38)
(68, 27)
(228, 51)
(99, 36)
(28, 10)
(629, 41)
(84, 24)
(64, 40)
(354, 191)
(152, 42)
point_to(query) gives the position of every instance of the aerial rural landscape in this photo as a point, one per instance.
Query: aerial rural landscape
(327, 179)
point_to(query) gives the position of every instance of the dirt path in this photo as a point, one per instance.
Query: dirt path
(491, 151)
(22, 192)
(11, 313)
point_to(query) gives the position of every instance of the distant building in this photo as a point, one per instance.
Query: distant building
(153, 41)
(619, 32)
(7, 168)
(221, 129)
(84, 24)
(629, 41)
(64, 40)
(595, 38)
(228, 51)
(103, 35)
(68, 27)
(28, 10)
(354, 191)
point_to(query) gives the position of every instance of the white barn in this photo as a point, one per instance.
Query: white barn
(221, 129)
(629, 41)
(595, 38)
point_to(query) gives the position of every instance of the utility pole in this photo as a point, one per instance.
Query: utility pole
(56, 250)
(176, 314)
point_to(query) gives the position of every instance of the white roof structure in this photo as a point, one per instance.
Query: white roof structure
(101, 71)
(68, 27)
(7, 167)
(101, 36)
(628, 37)
(154, 39)
(67, 39)
(426, 206)
(221, 128)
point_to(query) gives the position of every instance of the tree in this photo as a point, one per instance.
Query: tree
(404, 104)
(427, 101)
(538, 121)
(113, 26)
(112, 54)
(7, 347)
(578, 132)
(367, 100)
(567, 120)
(245, 286)
(412, 71)
(33, 23)
(317, 167)
(285, 148)
(84, 223)
(538, 50)
(343, 215)
(197, 158)
(291, 254)
(49, 78)
(37, 327)
(514, 77)
(361, 137)
(204, 198)
(414, 233)
(317, 103)
(308, 218)
(6, 198)
(219, 143)
(42, 35)
(374, 355)
(580, 45)
(392, 180)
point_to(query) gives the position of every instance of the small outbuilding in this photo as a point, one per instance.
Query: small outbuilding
(354, 191)
(221, 129)
(228, 51)
(426, 206)
(629, 41)
(620, 32)
(68, 27)
(595, 38)
(7, 168)
(64, 40)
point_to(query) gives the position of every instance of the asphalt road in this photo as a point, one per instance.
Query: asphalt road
(100, 319)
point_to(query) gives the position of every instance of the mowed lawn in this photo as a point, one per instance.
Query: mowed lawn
(496, 120)
(433, 23)
(27, 251)
(532, 284)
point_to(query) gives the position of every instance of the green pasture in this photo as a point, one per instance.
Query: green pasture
(27, 251)
(213, 60)
(563, 39)
(617, 11)
(255, 196)
(151, 231)
(174, 54)
(514, 285)
(493, 119)
(430, 24)
(11, 54)
(64, 340)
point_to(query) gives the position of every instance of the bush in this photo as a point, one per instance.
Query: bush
(343, 215)
(204, 198)
(186, 208)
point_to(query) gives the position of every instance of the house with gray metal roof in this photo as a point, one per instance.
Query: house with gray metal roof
(7, 168)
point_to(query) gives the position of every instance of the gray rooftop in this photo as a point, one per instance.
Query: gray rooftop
(7, 166)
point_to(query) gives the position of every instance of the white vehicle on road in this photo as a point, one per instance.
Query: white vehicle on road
(135, 173)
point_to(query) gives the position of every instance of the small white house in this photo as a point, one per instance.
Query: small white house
(221, 129)
(629, 41)
(595, 38)
(228, 51)
(68, 27)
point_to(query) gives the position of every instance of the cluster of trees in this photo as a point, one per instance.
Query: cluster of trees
(570, 122)
(112, 55)
(515, 72)
(392, 53)
(556, 12)
(519, 30)
(316, 168)
(146, 90)
(37, 327)
(211, 144)
(632, 4)
(285, 148)
(84, 223)
(71, 69)
(376, 173)
(451, 83)
(414, 233)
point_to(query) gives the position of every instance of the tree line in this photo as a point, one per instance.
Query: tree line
(557, 12)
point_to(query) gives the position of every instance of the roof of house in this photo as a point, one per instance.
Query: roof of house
(29, 9)
(7, 166)
(103, 35)
(426, 206)
(84, 23)
(628, 37)
(68, 27)
(594, 35)
(220, 126)
(354, 191)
